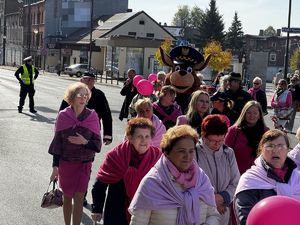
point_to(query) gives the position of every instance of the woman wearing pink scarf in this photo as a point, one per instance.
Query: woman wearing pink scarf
(258, 94)
(175, 191)
(76, 140)
(272, 174)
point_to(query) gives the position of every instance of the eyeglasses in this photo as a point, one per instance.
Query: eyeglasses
(215, 141)
(80, 95)
(203, 102)
(271, 147)
(142, 111)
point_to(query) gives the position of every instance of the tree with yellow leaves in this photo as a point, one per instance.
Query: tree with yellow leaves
(295, 60)
(220, 60)
(166, 46)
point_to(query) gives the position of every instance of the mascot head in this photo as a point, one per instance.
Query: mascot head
(184, 62)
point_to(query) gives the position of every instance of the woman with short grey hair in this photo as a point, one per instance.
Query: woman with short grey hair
(258, 94)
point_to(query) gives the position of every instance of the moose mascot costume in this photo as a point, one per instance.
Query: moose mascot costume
(184, 61)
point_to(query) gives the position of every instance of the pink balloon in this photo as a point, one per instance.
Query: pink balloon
(144, 87)
(136, 79)
(275, 210)
(152, 77)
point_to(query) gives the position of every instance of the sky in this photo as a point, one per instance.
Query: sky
(254, 14)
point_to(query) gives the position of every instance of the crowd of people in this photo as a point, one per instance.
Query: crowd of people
(208, 165)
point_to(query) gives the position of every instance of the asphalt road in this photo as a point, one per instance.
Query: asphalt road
(25, 165)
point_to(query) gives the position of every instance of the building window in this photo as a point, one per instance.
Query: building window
(151, 35)
(142, 22)
(132, 33)
(274, 44)
(252, 43)
(272, 57)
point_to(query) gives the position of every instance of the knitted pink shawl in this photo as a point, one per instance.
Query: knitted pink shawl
(67, 119)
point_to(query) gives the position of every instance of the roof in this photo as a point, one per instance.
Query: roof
(113, 23)
(175, 31)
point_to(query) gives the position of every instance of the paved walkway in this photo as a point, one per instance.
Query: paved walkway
(270, 88)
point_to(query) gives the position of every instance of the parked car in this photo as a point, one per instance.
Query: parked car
(78, 70)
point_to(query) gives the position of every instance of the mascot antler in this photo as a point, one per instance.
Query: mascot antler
(202, 65)
(166, 58)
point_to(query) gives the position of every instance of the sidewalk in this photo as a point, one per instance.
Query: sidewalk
(269, 93)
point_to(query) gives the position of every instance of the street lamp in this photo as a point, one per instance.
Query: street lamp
(4, 50)
(243, 66)
(91, 34)
(286, 61)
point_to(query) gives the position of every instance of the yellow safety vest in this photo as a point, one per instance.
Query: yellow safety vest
(25, 75)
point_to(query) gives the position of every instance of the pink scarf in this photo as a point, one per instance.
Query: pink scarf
(252, 91)
(67, 119)
(158, 192)
(256, 178)
(186, 179)
(281, 172)
(116, 166)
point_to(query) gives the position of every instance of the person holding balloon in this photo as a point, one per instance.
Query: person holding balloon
(129, 91)
(273, 173)
(145, 89)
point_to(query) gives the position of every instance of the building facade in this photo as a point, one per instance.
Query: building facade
(64, 18)
(265, 55)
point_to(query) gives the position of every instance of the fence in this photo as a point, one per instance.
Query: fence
(108, 77)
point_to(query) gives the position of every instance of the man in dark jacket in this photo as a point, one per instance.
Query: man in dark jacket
(129, 91)
(28, 74)
(99, 103)
(236, 92)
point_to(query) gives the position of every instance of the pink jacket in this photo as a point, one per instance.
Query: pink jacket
(285, 100)
(160, 129)
(237, 140)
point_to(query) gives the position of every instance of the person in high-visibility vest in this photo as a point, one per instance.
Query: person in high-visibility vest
(28, 74)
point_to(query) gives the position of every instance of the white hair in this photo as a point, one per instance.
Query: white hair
(257, 79)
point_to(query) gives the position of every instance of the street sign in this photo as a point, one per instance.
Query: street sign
(292, 29)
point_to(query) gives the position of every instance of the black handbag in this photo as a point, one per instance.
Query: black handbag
(52, 199)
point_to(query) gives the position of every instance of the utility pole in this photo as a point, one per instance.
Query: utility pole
(4, 37)
(91, 34)
(286, 61)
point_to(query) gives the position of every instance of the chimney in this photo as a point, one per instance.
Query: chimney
(261, 32)
(278, 33)
(165, 24)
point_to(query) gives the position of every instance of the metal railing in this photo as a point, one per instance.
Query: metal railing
(107, 77)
